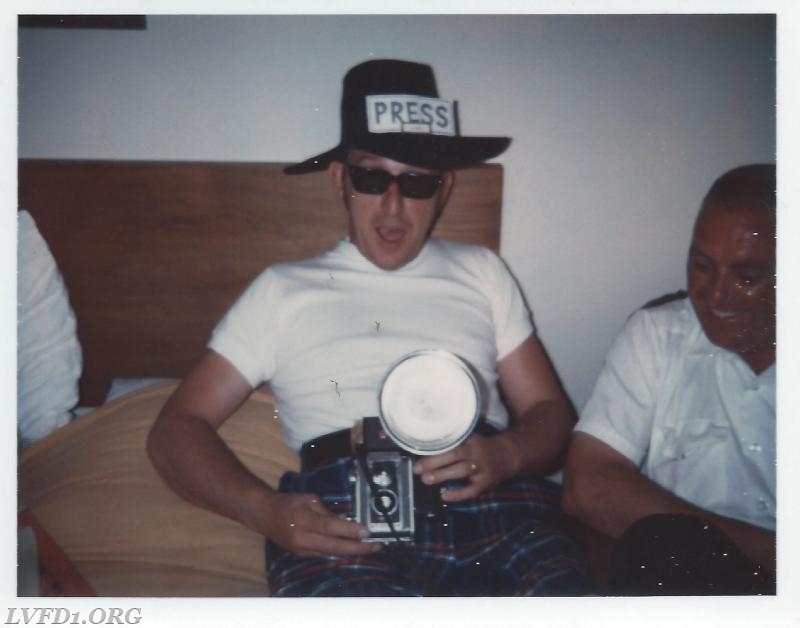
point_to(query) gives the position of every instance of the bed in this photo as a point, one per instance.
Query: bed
(151, 255)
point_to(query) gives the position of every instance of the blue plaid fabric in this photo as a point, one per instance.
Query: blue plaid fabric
(505, 543)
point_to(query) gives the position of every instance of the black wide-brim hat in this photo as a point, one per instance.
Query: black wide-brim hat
(392, 108)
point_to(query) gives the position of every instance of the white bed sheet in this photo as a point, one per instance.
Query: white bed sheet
(120, 387)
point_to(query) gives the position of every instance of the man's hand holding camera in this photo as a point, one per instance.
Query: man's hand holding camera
(484, 461)
(301, 524)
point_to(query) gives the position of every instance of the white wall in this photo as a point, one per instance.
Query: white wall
(620, 124)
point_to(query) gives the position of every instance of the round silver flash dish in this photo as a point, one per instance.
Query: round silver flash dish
(429, 401)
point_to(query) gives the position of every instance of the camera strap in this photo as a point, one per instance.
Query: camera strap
(373, 489)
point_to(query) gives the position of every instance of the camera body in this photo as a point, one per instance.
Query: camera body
(384, 497)
(429, 402)
(387, 493)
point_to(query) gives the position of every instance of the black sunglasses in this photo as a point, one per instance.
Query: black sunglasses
(376, 181)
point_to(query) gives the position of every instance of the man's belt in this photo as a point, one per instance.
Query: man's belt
(324, 449)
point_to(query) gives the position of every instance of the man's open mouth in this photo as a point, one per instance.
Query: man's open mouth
(391, 234)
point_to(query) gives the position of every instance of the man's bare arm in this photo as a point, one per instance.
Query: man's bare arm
(197, 464)
(606, 490)
(542, 416)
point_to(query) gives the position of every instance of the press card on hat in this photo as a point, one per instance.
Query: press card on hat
(400, 113)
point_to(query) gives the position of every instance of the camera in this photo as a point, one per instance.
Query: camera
(384, 485)
(429, 403)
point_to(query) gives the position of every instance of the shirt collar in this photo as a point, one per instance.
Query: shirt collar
(350, 250)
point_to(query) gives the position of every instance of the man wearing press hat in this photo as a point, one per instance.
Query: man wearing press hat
(452, 332)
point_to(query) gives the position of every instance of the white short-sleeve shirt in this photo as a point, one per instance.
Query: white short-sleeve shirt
(324, 331)
(693, 416)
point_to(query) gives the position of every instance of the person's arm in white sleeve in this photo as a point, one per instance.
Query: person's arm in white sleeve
(605, 490)
(602, 483)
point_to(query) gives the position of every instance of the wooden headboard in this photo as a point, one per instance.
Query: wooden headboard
(153, 253)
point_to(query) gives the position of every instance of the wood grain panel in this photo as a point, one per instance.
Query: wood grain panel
(153, 253)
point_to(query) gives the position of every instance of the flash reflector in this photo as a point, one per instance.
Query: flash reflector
(429, 401)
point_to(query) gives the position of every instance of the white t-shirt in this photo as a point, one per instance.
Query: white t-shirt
(324, 331)
(695, 417)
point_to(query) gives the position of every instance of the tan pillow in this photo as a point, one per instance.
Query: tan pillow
(95, 491)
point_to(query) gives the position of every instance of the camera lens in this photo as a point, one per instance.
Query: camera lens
(384, 502)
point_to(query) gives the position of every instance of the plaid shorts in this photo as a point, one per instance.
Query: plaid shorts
(504, 543)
